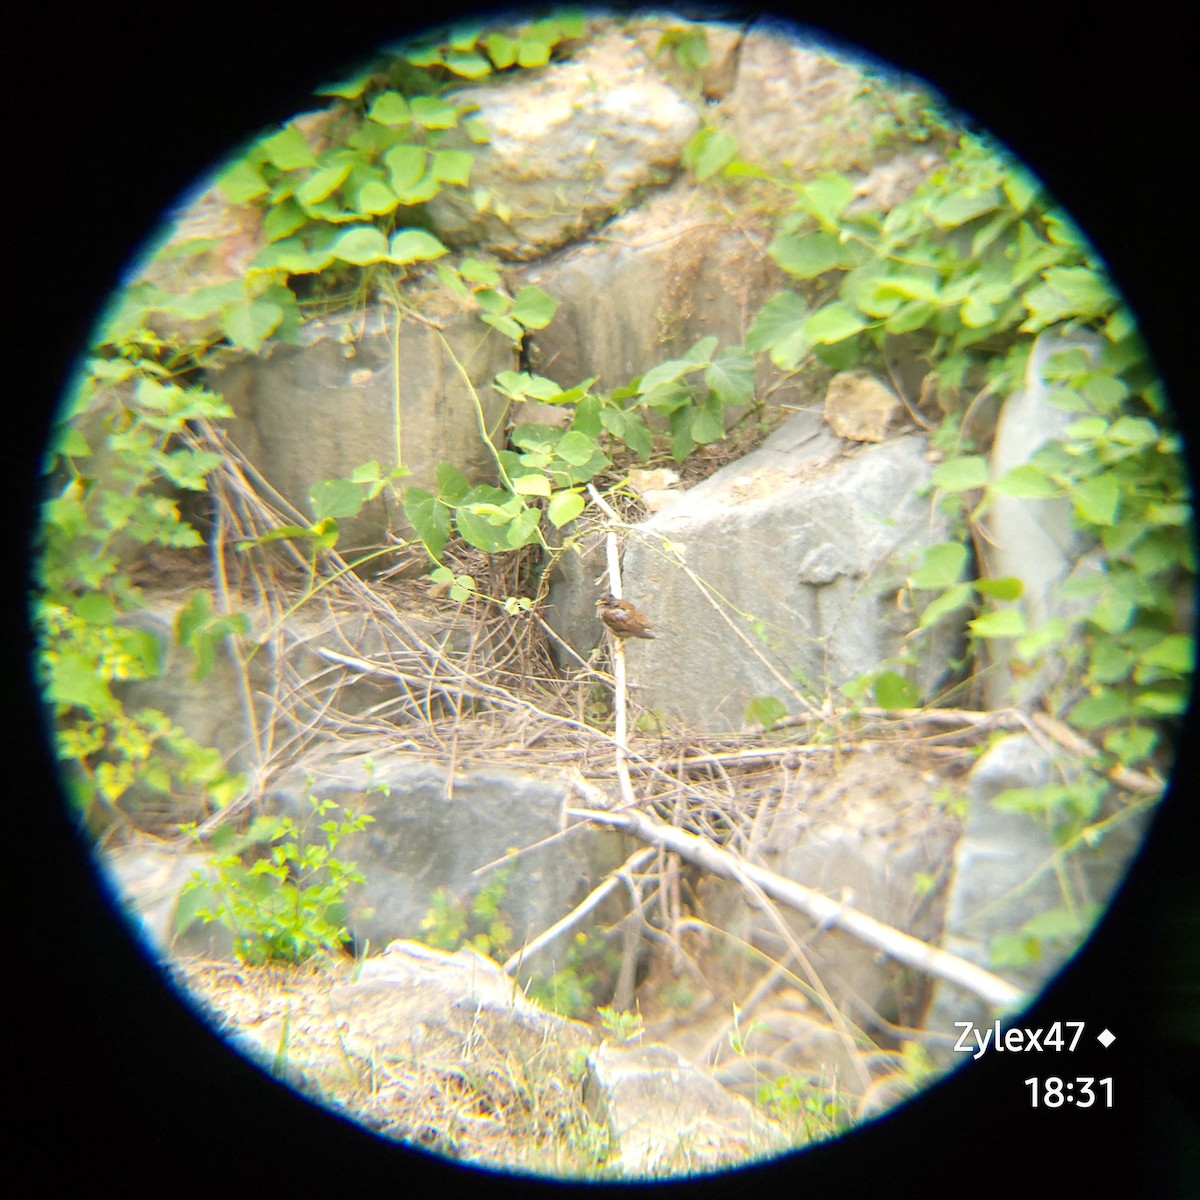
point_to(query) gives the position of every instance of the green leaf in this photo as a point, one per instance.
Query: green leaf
(467, 64)
(452, 166)
(810, 255)
(293, 256)
(337, 498)
(479, 272)
(1013, 950)
(429, 519)
(1110, 662)
(1020, 187)
(955, 209)
(483, 518)
(941, 566)
(701, 351)
(665, 373)
(1134, 431)
(637, 436)
(1086, 292)
(389, 108)
(1026, 482)
(248, 325)
(413, 245)
(949, 601)
(575, 448)
(501, 49)
(961, 474)
(709, 150)
(1087, 428)
(96, 608)
(833, 323)
(74, 683)
(243, 181)
(348, 89)
(285, 217)
(1176, 652)
(766, 711)
(1044, 799)
(910, 286)
(707, 425)
(1097, 500)
(531, 485)
(360, 245)
(1107, 707)
(433, 113)
(1002, 623)
(1131, 744)
(1000, 589)
(406, 165)
(288, 150)
(1049, 635)
(915, 314)
(375, 198)
(187, 468)
(320, 185)
(523, 529)
(826, 197)
(506, 325)
(533, 308)
(491, 301)
(731, 376)
(779, 329)
(564, 507)
(1165, 701)
(894, 691)
(532, 52)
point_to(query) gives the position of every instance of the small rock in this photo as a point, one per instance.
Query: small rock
(859, 407)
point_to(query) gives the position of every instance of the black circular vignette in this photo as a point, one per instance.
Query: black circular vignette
(119, 1081)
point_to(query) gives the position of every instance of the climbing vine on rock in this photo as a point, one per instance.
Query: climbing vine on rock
(969, 269)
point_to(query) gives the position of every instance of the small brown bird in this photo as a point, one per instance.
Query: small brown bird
(624, 619)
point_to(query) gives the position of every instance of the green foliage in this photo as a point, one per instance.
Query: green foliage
(968, 271)
(687, 44)
(546, 467)
(971, 268)
(105, 749)
(766, 711)
(806, 1111)
(1066, 927)
(620, 1026)
(121, 434)
(450, 923)
(286, 905)
(569, 990)
(342, 190)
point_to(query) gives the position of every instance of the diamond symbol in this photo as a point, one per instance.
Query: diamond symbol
(1106, 1039)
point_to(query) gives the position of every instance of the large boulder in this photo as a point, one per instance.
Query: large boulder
(566, 149)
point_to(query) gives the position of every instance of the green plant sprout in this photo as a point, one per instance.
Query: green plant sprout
(286, 906)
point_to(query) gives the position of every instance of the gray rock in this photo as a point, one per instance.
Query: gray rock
(655, 280)
(669, 1118)
(425, 837)
(563, 151)
(804, 537)
(1004, 875)
(797, 104)
(317, 411)
(1035, 540)
(146, 877)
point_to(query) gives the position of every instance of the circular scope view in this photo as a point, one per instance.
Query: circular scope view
(614, 593)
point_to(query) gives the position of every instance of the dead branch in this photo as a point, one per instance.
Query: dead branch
(901, 946)
(581, 910)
